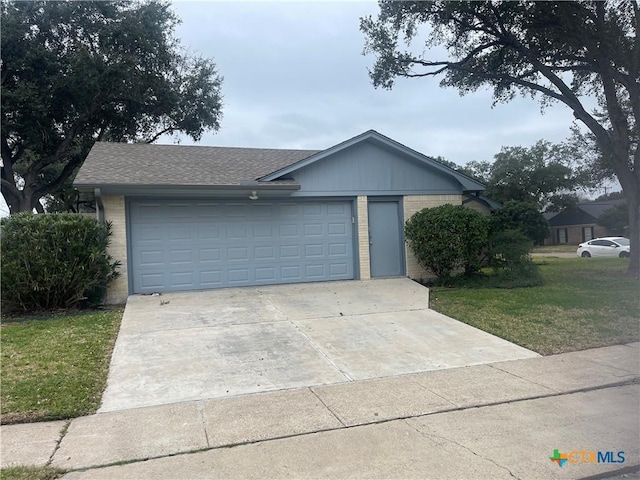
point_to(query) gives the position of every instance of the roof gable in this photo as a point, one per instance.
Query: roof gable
(371, 136)
(366, 168)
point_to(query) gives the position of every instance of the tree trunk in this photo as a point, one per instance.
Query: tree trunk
(23, 203)
(633, 203)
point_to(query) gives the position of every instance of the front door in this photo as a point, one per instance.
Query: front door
(385, 239)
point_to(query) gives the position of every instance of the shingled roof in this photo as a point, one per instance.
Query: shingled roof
(181, 165)
(583, 213)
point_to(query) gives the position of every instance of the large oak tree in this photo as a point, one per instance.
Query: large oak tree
(75, 72)
(568, 52)
(542, 174)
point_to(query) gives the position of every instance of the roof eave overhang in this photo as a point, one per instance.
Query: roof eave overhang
(191, 190)
(476, 197)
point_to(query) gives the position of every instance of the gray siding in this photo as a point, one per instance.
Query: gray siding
(368, 169)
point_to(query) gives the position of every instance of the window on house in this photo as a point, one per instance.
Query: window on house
(562, 235)
(587, 233)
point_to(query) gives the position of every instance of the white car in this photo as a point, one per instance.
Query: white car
(604, 247)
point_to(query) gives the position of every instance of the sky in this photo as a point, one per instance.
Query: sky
(295, 77)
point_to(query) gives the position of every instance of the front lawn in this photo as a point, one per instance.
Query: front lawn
(55, 367)
(565, 248)
(584, 303)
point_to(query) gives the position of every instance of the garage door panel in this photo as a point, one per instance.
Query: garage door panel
(208, 232)
(209, 254)
(238, 275)
(178, 213)
(182, 245)
(288, 210)
(207, 210)
(237, 232)
(146, 233)
(288, 231)
(263, 231)
(264, 211)
(289, 252)
(177, 257)
(235, 210)
(291, 273)
(238, 254)
(311, 251)
(338, 268)
(338, 209)
(315, 271)
(182, 279)
(311, 209)
(151, 257)
(265, 274)
(152, 280)
(337, 229)
(151, 211)
(264, 253)
(313, 229)
(338, 249)
(210, 278)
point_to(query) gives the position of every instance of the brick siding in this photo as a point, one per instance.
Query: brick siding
(363, 237)
(574, 234)
(114, 212)
(413, 204)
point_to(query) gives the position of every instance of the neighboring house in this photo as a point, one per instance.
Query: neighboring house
(191, 217)
(578, 224)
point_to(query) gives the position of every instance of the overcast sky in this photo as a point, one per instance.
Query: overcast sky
(295, 77)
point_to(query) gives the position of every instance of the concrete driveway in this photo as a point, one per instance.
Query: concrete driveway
(217, 343)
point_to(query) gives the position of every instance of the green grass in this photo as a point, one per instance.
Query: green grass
(565, 248)
(30, 473)
(584, 303)
(55, 367)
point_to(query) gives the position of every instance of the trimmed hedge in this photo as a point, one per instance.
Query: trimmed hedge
(53, 261)
(448, 238)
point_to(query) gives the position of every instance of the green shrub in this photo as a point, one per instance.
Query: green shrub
(524, 216)
(511, 261)
(447, 238)
(53, 261)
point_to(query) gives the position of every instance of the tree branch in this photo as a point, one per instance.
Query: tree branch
(160, 133)
(7, 174)
(9, 188)
(68, 169)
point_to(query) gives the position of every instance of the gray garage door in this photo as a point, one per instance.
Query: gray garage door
(187, 245)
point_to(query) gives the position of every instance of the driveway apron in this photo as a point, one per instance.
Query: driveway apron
(217, 343)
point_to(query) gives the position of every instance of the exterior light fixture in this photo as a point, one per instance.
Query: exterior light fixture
(254, 195)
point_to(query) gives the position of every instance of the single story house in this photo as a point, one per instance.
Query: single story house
(192, 217)
(578, 224)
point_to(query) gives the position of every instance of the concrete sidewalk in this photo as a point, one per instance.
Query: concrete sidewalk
(501, 420)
